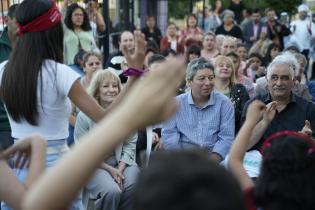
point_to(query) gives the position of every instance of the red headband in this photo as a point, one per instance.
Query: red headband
(48, 20)
(268, 141)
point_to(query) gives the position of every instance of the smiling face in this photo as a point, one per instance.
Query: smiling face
(108, 91)
(255, 63)
(192, 21)
(271, 15)
(280, 82)
(242, 52)
(223, 68)
(127, 39)
(202, 83)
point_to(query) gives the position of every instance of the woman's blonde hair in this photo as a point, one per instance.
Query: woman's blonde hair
(98, 79)
(228, 60)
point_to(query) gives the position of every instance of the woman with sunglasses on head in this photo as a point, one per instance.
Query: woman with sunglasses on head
(44, 86)
(92, 63)
(288, 165)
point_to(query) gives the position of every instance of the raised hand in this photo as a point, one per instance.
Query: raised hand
(255, 111)
(307, 130)
(135, 59)
(270, 112)
(22, 150)
(154, 94)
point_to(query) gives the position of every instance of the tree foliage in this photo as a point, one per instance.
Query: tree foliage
(179, 9)
(289, 6)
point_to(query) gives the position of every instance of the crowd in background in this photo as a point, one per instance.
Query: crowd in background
(247, 101)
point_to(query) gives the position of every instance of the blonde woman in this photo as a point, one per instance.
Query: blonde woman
(113, 181)
(225, 82)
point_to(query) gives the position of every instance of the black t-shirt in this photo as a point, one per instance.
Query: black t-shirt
(291, 118)
(236, 31)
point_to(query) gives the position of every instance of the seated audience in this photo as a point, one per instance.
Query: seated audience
(151, 31)
(205, 118)
(193, 52)
(116, 60)
(300, 87)
(112, 183)
(286, 110)
(209, 50)
(255, 68)
(239, 76)
(226, 84)
(192, 34)
(228, 27)
(287, 169)
(171, 40)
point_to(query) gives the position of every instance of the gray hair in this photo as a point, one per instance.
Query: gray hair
(228, 12)
(299, 56)
(196, 65)
(284, 58)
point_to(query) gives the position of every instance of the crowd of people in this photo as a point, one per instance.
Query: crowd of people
(226, 105)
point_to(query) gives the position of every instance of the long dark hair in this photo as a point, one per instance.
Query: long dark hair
(22, 73)
(68, 19)
(287, 175)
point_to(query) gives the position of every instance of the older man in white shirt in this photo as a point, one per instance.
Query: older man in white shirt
(303, 30)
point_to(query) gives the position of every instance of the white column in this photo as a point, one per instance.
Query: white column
(162, 15)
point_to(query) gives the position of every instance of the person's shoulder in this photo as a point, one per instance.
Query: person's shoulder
(2, 64)
(182, 97)
(303, 102)
(218, 95)
(62, 69)
(221, 99)
(260, 97)
(239, 86)
(55, 64)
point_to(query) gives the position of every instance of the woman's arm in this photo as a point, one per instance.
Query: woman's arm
(101, 26)
(240, 144)
(90, 106)
(137, 110)
(11, 190)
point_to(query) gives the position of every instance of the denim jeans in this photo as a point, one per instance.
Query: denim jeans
(50, 161)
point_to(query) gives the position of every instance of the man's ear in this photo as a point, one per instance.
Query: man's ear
(188, 83)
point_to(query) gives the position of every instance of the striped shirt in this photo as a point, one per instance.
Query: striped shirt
(210, 127)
